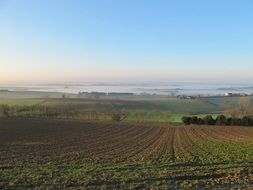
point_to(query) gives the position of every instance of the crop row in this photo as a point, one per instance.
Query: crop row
(74, 141)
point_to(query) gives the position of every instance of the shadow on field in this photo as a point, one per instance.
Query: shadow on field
(196, 164)
(154, 179)
(158, 165)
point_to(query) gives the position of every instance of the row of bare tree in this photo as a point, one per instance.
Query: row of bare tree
(243, 108)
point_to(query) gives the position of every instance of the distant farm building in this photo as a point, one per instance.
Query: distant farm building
(186, 97)
(91, 94)
(235, 94)
(120, 94)
(228, 94)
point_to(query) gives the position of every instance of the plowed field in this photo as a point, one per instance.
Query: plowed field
(85, 155)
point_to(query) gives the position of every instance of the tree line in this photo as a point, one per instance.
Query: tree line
(219, 120)
(61, 112)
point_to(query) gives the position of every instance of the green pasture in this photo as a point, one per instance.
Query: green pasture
(169, 105)
(20, 102)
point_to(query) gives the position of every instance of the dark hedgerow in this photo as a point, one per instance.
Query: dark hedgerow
(220, 120)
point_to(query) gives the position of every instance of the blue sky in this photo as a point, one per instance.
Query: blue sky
(179, 40)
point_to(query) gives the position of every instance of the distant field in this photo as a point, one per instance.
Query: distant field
(177, 106)
(74, 154)
(168, 104)
(32, 95)
(28, 102)
(221, 101)
(141, 109)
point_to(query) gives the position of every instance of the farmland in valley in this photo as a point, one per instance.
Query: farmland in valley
(140, 109)
(107, 155)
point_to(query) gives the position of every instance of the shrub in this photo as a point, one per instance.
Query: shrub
(116, 117)
(120, 116)
(246, 121)
(194, 120)
(236, 121)
(200, 121)
(5, 110)
(208, 120)
(221, 120)
(186, 120)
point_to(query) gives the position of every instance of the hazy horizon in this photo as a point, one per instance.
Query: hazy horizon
(138, 88)
(196, 41)
(129, 81)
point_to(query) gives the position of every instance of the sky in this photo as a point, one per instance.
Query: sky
(122, 40)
